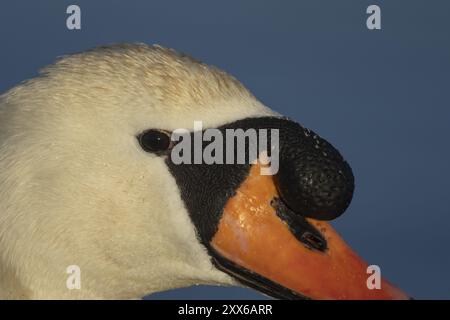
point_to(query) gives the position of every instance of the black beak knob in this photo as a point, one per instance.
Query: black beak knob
(313, 179)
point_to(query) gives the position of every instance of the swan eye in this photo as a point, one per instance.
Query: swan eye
(156, 141)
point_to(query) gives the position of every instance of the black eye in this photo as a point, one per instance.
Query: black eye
(156, 141)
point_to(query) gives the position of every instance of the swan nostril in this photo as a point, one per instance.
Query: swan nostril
(305, 232)
(312, 241)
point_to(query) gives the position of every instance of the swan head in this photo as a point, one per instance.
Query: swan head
(78, 187)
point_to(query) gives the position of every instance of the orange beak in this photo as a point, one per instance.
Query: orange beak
(252, 235)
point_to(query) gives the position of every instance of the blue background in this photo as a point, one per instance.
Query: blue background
(381, 97)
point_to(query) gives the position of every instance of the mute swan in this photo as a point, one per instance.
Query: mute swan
(80, 185)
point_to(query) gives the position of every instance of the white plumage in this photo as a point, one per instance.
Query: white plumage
(76, 189)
